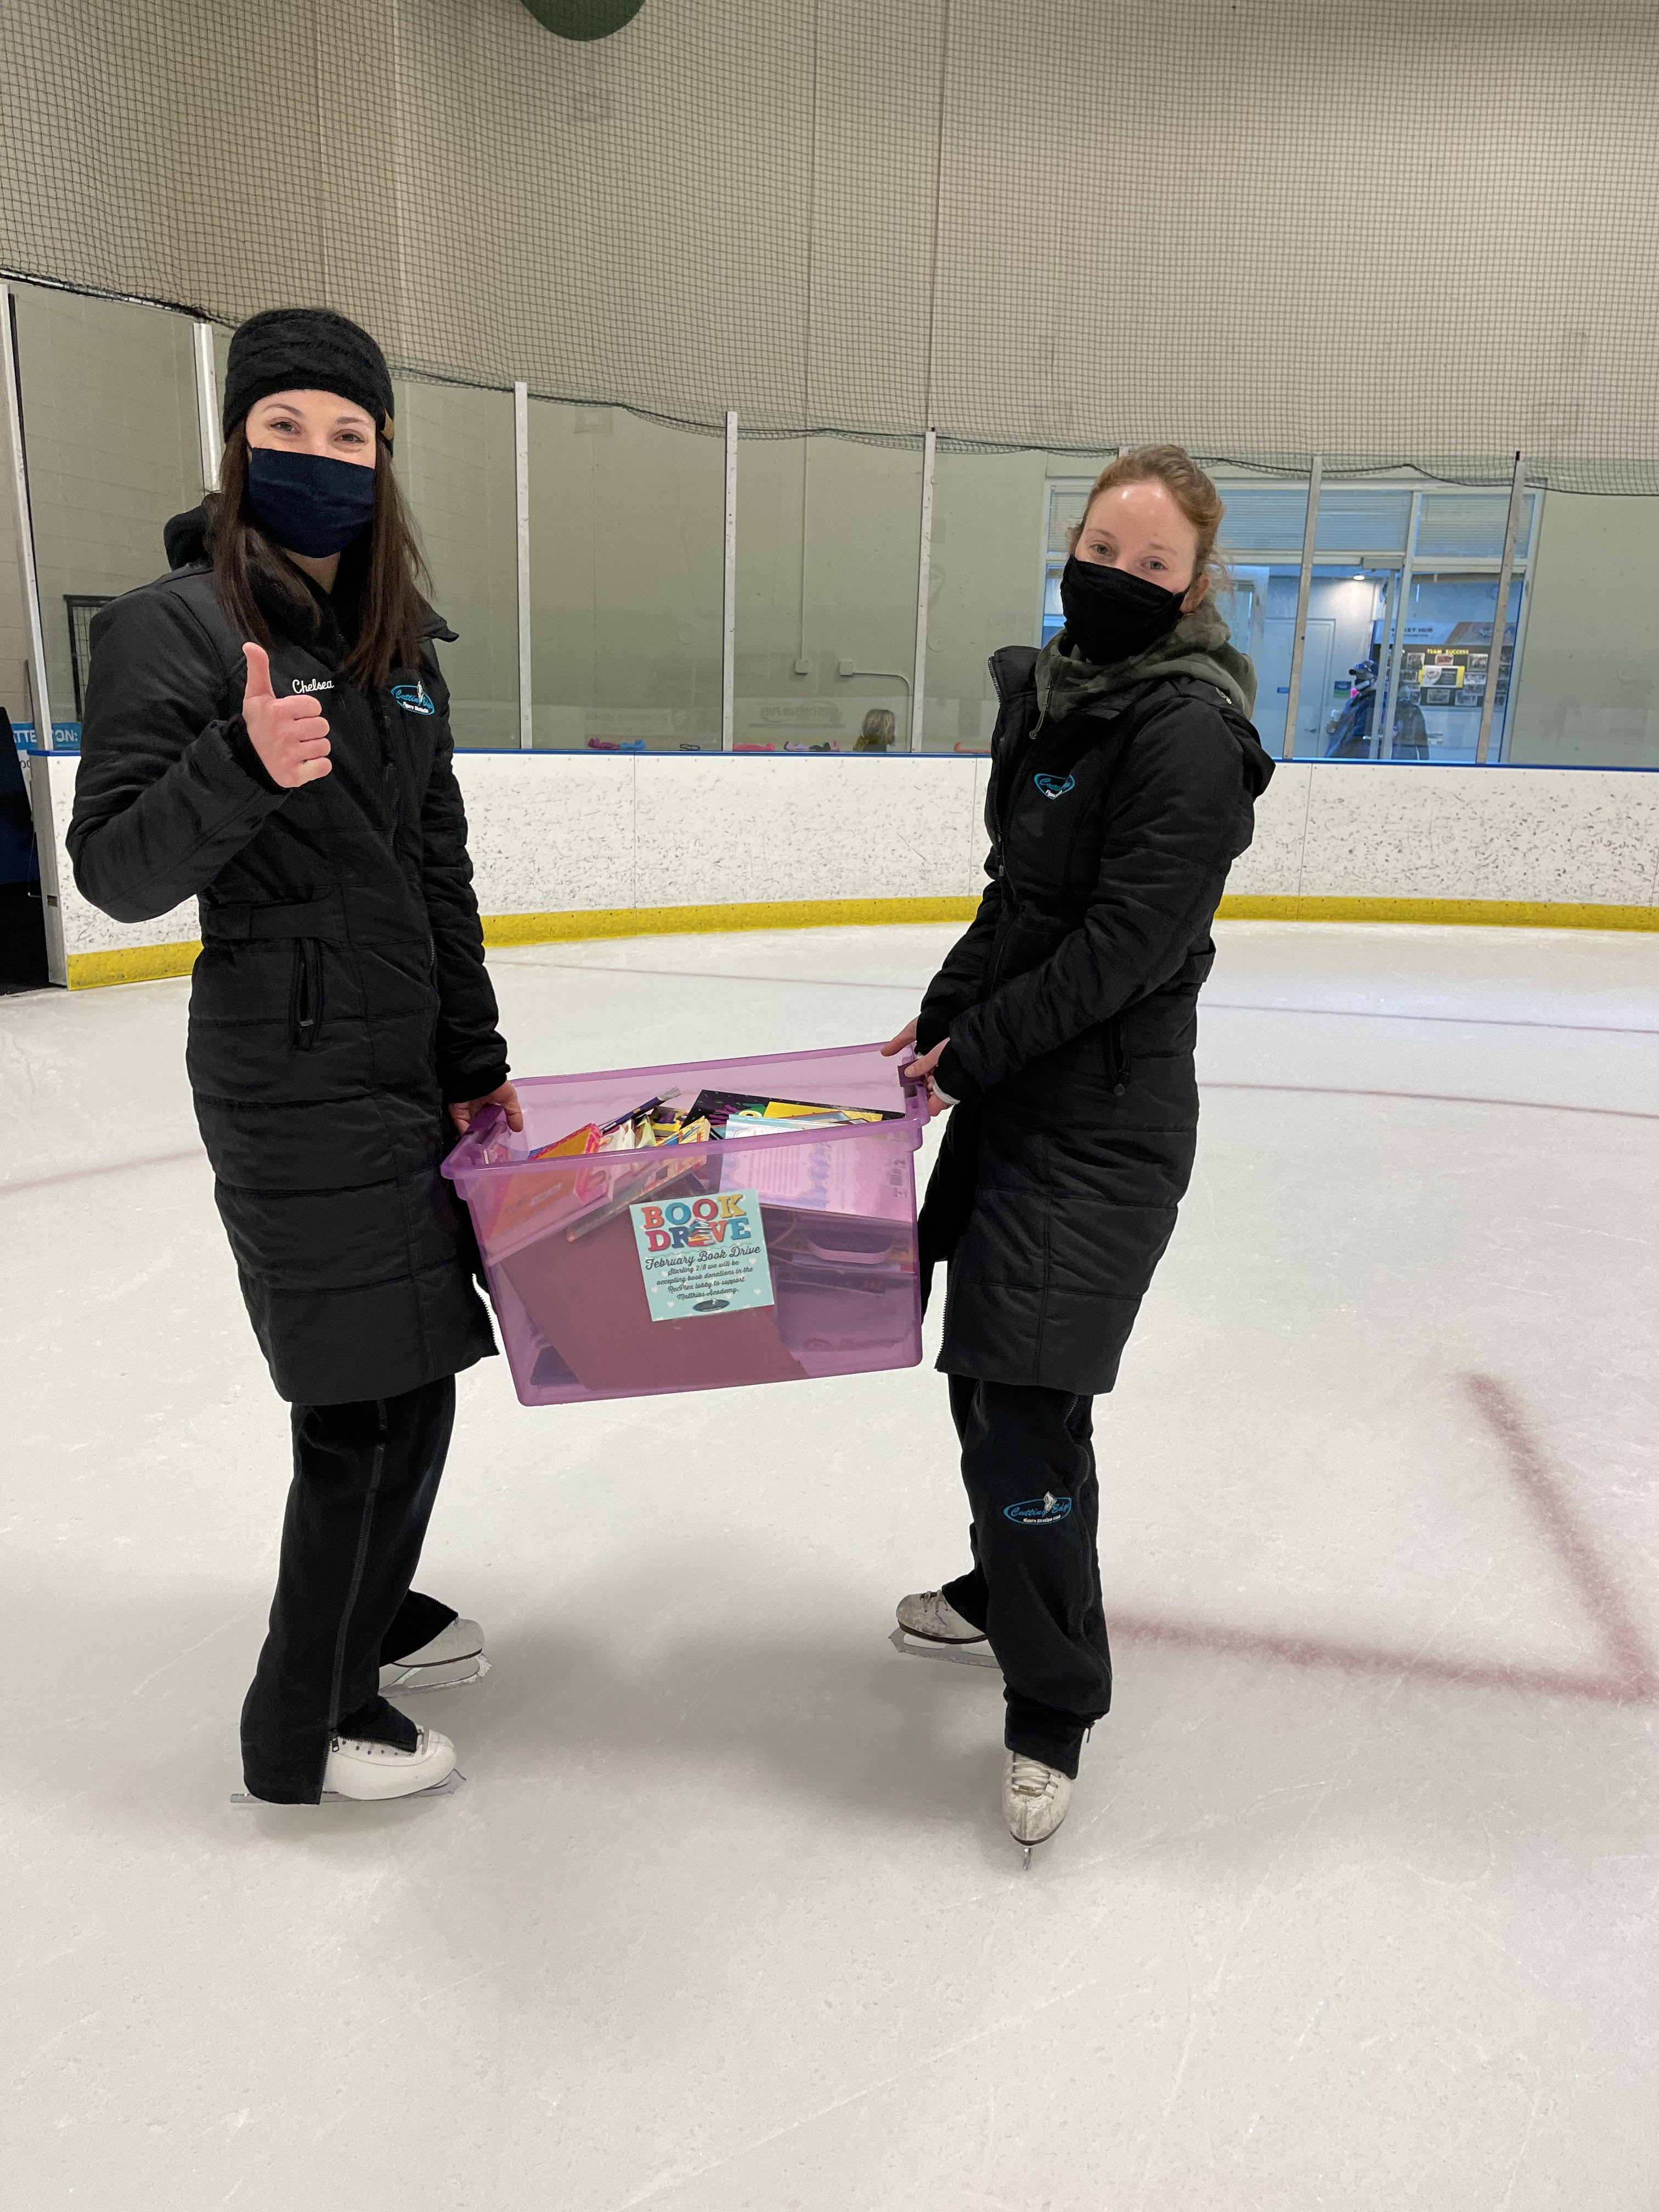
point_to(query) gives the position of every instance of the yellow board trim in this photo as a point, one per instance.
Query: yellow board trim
(1500, 914)
(145, 964)
(133, 963)
(758, 913)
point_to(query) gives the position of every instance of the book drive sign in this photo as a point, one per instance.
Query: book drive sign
(703, 1256)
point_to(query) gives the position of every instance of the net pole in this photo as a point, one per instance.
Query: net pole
(522, 517)
(40, 806)
(1500, 613)
(1303, 591)
(924, 577)
(1397, 654)
(26, 573)
(1380, 734)
(208, 433)
(1506, 736)
(729, 591)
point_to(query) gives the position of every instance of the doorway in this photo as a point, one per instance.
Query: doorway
(1313, 706)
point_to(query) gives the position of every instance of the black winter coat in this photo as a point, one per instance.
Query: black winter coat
(340, 997)
(1070, 1007)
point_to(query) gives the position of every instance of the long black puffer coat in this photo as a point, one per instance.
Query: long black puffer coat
(1070, 1007)
(340, 997)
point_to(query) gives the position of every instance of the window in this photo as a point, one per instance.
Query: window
(1401, 611)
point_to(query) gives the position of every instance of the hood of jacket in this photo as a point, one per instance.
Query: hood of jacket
(1200, 645)
(184, 539)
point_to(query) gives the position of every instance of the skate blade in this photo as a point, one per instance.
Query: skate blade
(450, 1783)
(916, 1647)
(1026, 1849)
(457, 1675)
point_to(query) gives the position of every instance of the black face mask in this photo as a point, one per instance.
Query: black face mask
(1111, 616)
(309, 503)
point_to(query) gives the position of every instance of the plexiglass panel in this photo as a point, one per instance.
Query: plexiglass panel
(828, 535)
(985, 589)
(1588, 693)
(110, 424)
(626, 567)
(1260, 544)
(455, 462)
(626, 551)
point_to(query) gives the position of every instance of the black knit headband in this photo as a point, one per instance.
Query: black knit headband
(306, 349)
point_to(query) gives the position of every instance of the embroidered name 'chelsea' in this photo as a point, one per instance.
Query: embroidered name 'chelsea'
(414, 698)
(315, 684)
(1054, 787)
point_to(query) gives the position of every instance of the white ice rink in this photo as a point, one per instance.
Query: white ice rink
(1356, 1905)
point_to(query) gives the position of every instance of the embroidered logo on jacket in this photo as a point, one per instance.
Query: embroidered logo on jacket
(1054, 787)
(414, 698)
(1038, 1512)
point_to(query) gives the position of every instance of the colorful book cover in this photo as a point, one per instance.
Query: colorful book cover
(579, 1142)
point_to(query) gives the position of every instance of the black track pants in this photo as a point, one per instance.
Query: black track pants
(1028, 1462)
(364, 1478)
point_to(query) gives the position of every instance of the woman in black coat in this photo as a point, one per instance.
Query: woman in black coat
(1061, 1027)
(266, 731)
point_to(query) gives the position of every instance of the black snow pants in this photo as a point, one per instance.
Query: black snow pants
(1028, 1462)
(365, 1479)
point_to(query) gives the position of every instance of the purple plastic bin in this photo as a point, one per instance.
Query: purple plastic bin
(765, 1259)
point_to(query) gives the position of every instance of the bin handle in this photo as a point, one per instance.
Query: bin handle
(485, 1125)
(912, 1086)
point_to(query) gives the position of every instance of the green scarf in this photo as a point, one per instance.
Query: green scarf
(1200, 645)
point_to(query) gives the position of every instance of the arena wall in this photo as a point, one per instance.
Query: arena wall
(568, 846)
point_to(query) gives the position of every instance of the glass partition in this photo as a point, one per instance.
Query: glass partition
(110, 426)
(828, 538)
(455, 462)
(627, 566)
(627, 536)
(1587, 693)
(984, 589)
(1399, 621)
(1260, 544)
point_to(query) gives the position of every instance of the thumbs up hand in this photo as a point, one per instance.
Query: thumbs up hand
(289, 734)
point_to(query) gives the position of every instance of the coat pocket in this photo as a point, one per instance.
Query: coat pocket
(305, 1019)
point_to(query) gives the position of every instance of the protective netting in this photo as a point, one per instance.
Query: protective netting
(1421, 232)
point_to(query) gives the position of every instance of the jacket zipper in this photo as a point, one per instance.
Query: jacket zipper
(306, 1000)
(1117, 1060)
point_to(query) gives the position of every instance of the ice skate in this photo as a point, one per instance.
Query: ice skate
(930, 1627)
(930, 1616)
(454, 1655)
(373, 1771)
(1036, 1799)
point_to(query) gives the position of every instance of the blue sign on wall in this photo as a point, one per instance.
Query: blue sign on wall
(65, 737)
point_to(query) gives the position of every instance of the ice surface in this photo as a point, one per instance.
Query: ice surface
(1355, 1906)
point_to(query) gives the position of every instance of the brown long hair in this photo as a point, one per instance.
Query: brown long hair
(387, 562)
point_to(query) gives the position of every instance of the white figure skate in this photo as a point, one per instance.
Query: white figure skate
(938, 1630)
(371, 1773)
(455, 1656)
(1036, 1799)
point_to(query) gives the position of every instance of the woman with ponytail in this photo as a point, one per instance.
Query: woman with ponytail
(1124, 776)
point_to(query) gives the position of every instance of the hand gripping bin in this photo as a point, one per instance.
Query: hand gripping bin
(612, 1274)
